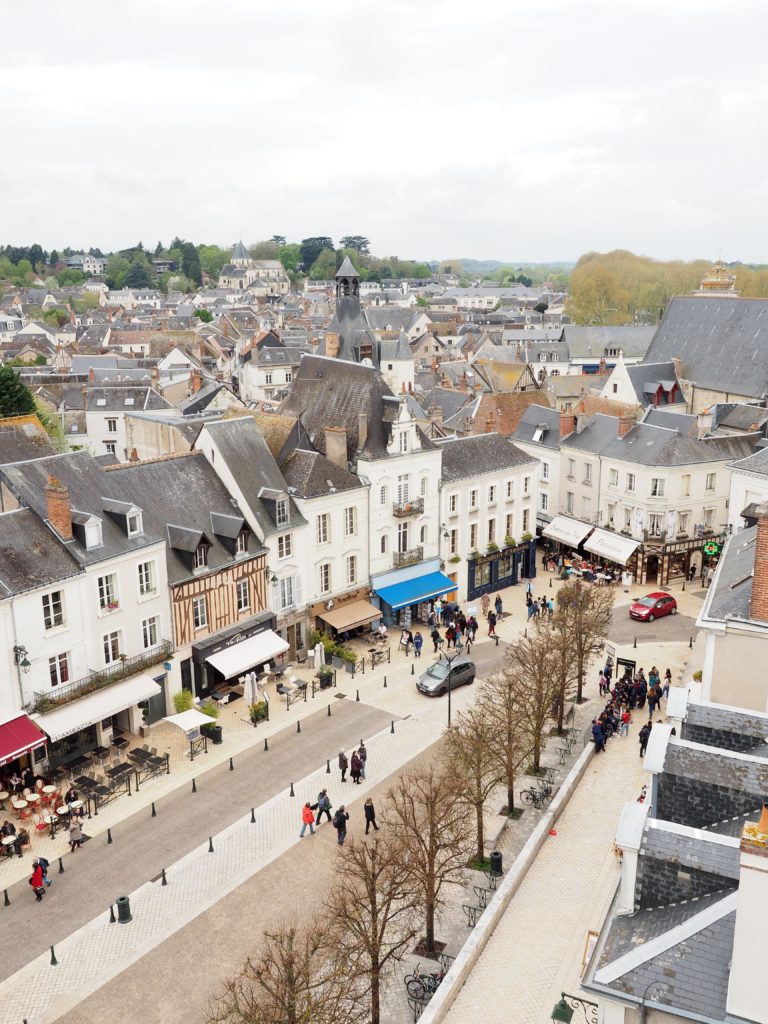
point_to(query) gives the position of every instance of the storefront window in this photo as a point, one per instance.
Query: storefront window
(482, 574)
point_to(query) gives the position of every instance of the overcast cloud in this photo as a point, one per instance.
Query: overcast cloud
(506, 129)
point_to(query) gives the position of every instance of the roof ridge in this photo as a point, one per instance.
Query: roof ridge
(147, 462)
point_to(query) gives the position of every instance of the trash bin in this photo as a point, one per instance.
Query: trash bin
(215, 734)
(123, 910)
(496, 863)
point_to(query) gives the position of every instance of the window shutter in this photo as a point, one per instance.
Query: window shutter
(297, 590)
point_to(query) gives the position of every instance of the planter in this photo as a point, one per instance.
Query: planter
(144, 731)
(337, 662)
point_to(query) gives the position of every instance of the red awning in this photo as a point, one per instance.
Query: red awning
(17, 737)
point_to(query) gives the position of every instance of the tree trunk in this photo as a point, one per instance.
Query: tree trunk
(429, 926)
(560, 713)
(480, 833)
(579, 678)
(375, 996)
(536, 754)
(510, 791)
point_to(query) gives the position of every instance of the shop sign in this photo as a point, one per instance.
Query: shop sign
(711, 548)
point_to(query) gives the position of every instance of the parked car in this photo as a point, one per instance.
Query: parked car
(434, 682)
(653, 606)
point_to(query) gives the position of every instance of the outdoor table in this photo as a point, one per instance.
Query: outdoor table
(119, 769)
(8, 840)
(76, 805)
(19, 805)
(3, 797)
(46, 789)
(50, 820)
(64, 809)
(119, 741)
(33, 798)
(79, 762)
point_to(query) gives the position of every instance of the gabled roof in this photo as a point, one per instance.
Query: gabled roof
(465, 457)
(239, 252)
(30, 554)
(311, 475)
(538, 420)
(647, 378)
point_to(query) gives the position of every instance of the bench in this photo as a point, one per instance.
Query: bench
(483, 895)
(493, 830)
(471, 913)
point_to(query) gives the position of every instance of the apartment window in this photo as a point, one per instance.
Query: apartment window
(149, 632)
(58, 669)
(403, 440)
(243, 596)
(492, 494)
(586, 507)
(135, 526)
(526, 519)
(657, 487)
(146, 577)
(711, 481)
(325, 577)
(545, 471)
(423, 487)
(655, 522)
(402, 488)
(491, 531)
(268, 377)
(615, 388)
(473, 499)
(613, 478)
(627, 518)
(630, 484)
(351, 570)
(112, 426)
(423, 535)
(509, 526)
(526, 485)
(199, 612)
(569, 502)
(453, 542)
(384, 543)
(543, 501)
(111, 646)
(107, 591)
(571, 469)
(200, 560)
(709, 518)
(611, 514)
(510, 490)
(287, 593)
(383, 496)
(683, 520)
(284, 546)
(587, 472)
(110, 447)
(402, 536)
(685, 485)
(281, 512)
(473, 537)
(350, 521)
(453, 504)
(241, 543)
(288, 377)
(53, 609)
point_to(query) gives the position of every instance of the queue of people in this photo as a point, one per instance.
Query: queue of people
(632, 693)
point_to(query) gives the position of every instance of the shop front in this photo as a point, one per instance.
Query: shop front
(347, 615)
(499, 569)
(660, 562)
(233, 652)
(568, 532)
(613, 548)
(21, 744)
(405, 594)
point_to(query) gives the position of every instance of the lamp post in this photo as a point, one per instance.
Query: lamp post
(450, 659)
(562, 1011)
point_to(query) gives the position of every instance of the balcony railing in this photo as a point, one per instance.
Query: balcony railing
(401, 509)
(401, 558)
(101, 678)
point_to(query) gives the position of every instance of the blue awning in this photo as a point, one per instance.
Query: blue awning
(422, 588)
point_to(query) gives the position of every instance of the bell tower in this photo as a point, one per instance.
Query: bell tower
(347, 283)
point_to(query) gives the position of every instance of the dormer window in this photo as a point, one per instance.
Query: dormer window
(403, 440)
(135, 524)
(93, 537)
(241, 543)
(281, 511)
(200, 560)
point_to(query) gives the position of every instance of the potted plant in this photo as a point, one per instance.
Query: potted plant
(259, 711)
(325, 675)
(144, 728)
(492, 547)
(455, 559)
(527, 537)
(509, 542)
(112, 605)
(212, 711)
(183, 701)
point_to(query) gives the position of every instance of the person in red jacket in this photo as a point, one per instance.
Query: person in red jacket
(36, 881)
(308, 818)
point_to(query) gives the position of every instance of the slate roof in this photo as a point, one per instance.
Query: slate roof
(739, 415)
(23, 438)
(647, 445)
(30, 554)
(731, 592)
(466, 457)
(534, 417)
(594, 342)
(646, 378)
(390, 318)
(756, 463)
(115, 398)
(347, 269)
(397, 350)
(684, 847)
(681, 421)
(311, 475)
(239, 252)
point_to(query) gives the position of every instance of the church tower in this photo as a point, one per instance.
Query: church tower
(348, 336)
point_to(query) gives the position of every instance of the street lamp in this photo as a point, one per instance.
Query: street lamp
(20, 657)
(270, 576)
(450, 658)
(562, 1011)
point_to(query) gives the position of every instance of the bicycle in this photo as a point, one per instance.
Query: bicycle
(537, 797)
(419, 985)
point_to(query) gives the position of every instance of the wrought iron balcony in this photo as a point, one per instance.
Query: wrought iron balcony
(101, 678)
(402, 509)
(401, 558)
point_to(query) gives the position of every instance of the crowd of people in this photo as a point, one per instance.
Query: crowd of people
(631, 693)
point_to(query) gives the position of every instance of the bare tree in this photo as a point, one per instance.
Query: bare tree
(498, 701)
(373, 907)
(560, 631)
(532, 666)
(470, 757)
(423, 811)
(298, 977)
(588, 611)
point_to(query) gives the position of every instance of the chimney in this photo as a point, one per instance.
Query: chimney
(134, 456)
(195, 381)
(59, 510)
(704, 422)
(362, 430)
(91, 375)
(155, 375)
(85, 395)
(336, 446)
(629, 839)
(331, 344)
(625, 424)
(567, 424)
(758, 607)
(746, 985)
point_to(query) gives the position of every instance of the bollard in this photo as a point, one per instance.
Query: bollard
(683, 584)
(298, 726)
(154, 812)
(194, 785)
(253, 817)
(329, 710)
(54, 961)
(112, 917)
(61, 867)
(690, 643)
(327, 767)
(109, 836)
(6, 901)
(413, 669)
(550, 582)
(634, 644)
(210, 844)
(525, 632)
(292, 793)
(266, 743)
(231, 765)
(385, 682)
(392, 726)
(165, 880)
(123, 910)
(357, 698)
(496, 639)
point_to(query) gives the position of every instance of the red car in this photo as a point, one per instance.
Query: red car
(653, 606)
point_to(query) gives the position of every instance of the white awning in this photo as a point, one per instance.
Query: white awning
(254, 650)
(96, 706)
(188, 720)
(612, 546)
(567, 530)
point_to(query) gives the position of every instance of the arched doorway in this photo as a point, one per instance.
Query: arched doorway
(651, 568)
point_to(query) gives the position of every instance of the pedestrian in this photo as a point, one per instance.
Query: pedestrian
(75, 834)
(529, 589)
(44, 864)
(498, 606)
(710, 576)
(598, 736)
(692, 574)
(307, 818)
(437, 640)
(651, 702)
(354, 768)
(362, 753)
(36, 881)
(536, 610)
(71, 795)
(601, 683)
(550, 609)
(667, 684)
(340, 820)
(472, 627)
(530, 604)
(343, 764)
(418, 643)
(370, 816)
(645, 732)
(491, 624)
(626, 718)
(450, 636)
(323, 805)
(485, 603)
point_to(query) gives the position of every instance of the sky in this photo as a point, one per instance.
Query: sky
(524, 130)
